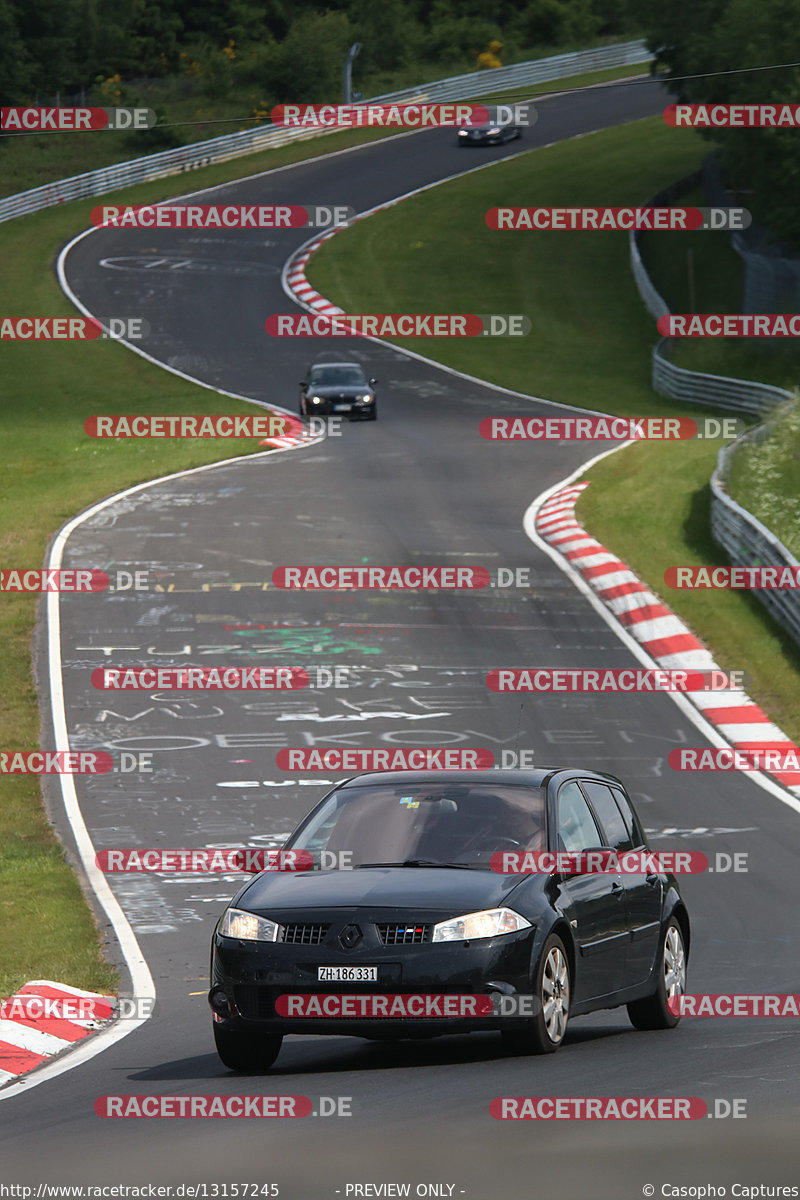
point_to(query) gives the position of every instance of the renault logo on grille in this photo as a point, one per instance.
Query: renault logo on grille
(350, 936)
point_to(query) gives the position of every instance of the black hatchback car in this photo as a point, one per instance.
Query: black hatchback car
(338, 387)
(424, 936)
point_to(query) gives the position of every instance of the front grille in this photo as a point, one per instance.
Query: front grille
(403, 935)
(304, 935)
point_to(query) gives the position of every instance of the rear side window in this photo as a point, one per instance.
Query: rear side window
(577, 829)
(630, 818)
(618, 834)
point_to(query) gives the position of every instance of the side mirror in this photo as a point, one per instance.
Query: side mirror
(372, 382)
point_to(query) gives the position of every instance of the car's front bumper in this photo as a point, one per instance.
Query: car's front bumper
(340, 408)
(254, 975)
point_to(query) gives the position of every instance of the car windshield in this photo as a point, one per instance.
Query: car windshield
(336, 376)
(426, 824)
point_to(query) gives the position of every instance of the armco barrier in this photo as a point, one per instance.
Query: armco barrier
(747, 541)
(263, 137)
(719, 391)
(537, 70)
(679, 383)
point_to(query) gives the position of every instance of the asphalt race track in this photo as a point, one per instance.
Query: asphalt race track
(418, 485)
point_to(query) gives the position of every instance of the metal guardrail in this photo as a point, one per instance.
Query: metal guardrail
(680, 383)
(718, 391)
(263, 137)
(749, 543)
(537, 70)
(654, 302)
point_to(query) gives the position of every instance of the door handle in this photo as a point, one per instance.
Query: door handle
(651, 880)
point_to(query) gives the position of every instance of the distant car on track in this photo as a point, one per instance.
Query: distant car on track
(422, 912)
(338, 387)
(491, 133)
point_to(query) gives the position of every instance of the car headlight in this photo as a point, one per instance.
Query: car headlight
(316, 399)
(491, 923)
(493, 131)
(463, 133)
(367, 398)
(236, 923)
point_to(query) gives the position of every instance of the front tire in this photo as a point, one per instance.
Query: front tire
(249, 1053)
(653, 1012)
(552, 990)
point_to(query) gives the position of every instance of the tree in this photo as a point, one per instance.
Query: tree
(710, 39)
(15, 66)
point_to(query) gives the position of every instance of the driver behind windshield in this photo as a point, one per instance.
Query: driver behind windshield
(463, 828)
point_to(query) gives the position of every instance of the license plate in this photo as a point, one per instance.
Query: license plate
(347, 974)
(342, 407)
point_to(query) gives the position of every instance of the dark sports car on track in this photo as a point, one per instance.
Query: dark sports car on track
(423, 935)
(491, 133)
(338, 387)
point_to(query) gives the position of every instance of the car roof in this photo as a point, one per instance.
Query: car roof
(533, 778)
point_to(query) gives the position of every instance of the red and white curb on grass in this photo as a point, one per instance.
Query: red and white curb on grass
(27, 1042)
(661, 634)
(294, 274)
(298, 435)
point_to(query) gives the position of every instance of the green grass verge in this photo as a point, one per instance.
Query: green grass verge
(32, 160)
(765, 477)
(590, 347)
